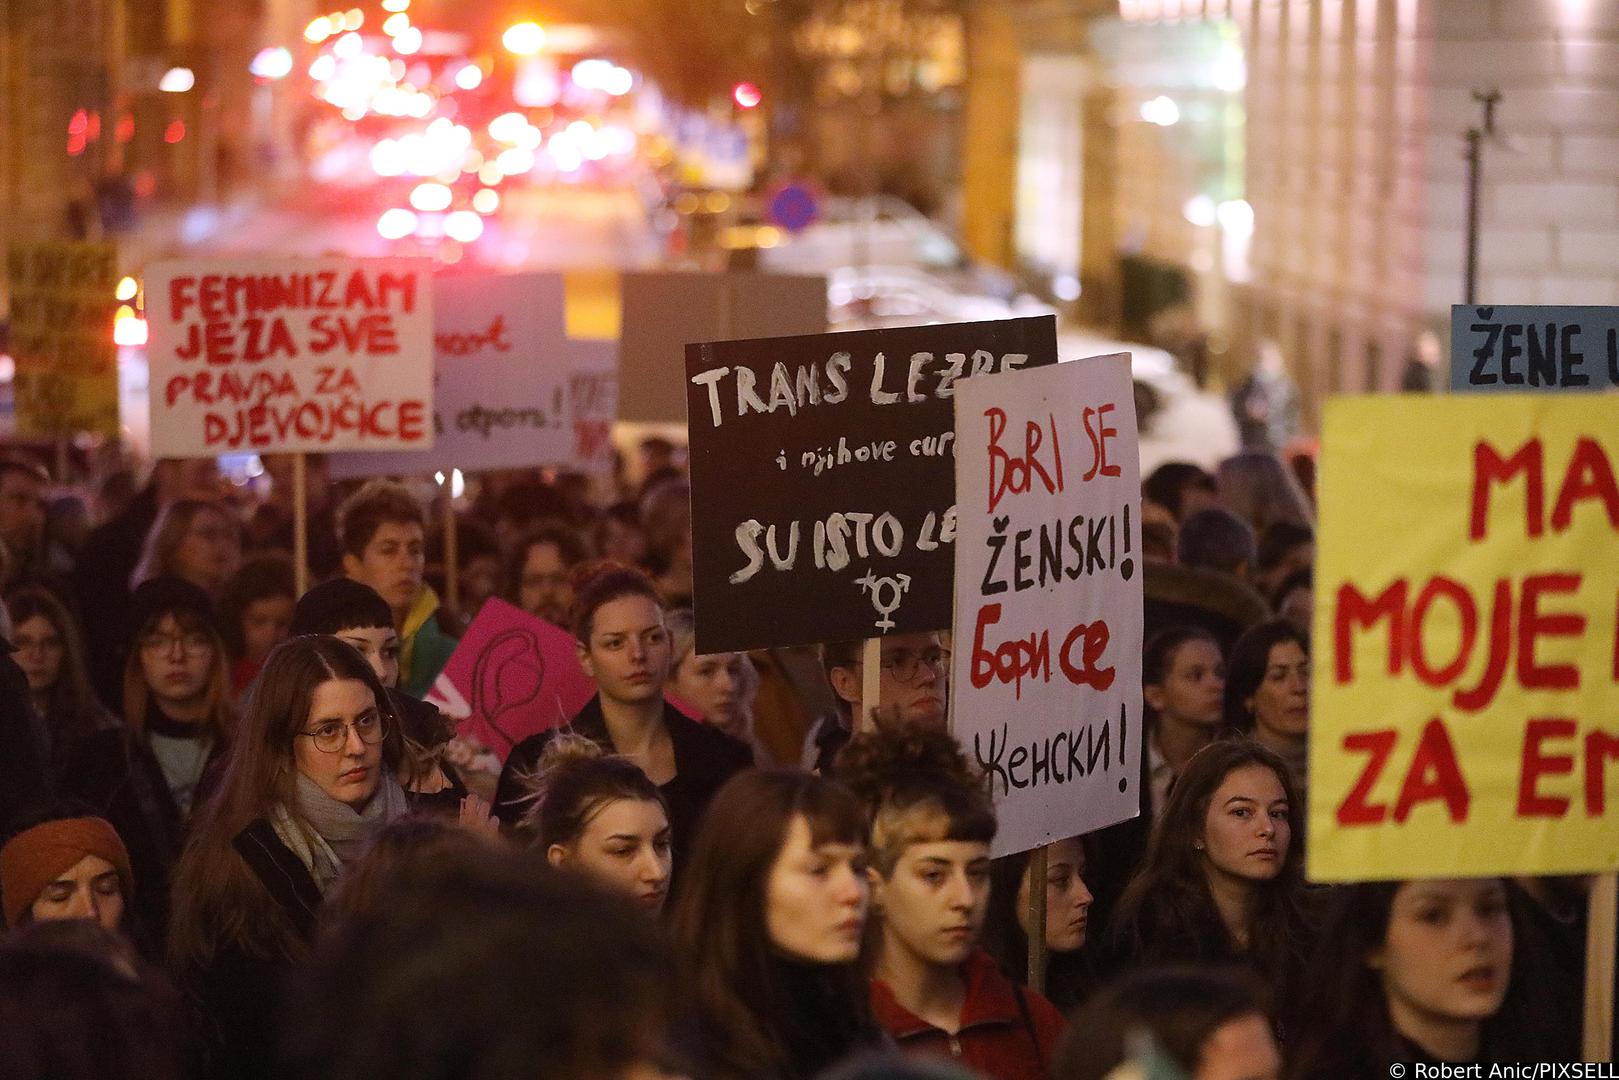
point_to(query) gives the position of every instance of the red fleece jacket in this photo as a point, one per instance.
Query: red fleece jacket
(995, 1036)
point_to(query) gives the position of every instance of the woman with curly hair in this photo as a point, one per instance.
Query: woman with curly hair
(934, 990)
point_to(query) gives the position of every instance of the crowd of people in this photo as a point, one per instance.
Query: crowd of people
(237, 842)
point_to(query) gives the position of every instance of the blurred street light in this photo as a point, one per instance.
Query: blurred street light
(524, 38)
(177, 80)
(463, 225)
(396, 224)
(746, 95)
(274, 62)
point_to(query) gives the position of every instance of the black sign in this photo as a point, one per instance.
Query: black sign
(823, 477)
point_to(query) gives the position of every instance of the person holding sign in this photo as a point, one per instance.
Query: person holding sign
(384, 536)
(623, 643)
(911, 689)
(1418, 971)
(1223, 879)
(934, 990)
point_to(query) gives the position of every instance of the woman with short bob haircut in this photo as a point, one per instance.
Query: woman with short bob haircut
(1223, 879)
(1419, 971)
(310, 778)
(768, 922)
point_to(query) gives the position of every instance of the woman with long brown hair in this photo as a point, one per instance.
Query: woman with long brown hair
(1223, 880)
(145, 775)
(310, 778)
(768, 920)
(52, 658)
(194, 539)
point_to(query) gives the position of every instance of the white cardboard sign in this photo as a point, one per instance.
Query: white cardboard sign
(1047, 657)
(502, 367)
(259, 355)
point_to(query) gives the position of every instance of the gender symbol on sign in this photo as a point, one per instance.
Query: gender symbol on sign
(886, 594)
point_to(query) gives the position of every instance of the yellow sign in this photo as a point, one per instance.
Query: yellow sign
(1465, 709)
(62, 308)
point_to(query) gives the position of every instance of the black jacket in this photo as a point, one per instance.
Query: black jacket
(705, 758)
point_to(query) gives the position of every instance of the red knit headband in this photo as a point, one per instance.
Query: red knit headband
(33, 859)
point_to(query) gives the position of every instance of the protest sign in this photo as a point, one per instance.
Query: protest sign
(664, 310)
(501, 366)
(593, 396)
(1465, 706)
(512, 675)
(62, 308)
(1513, 349)
(289, 355)
(1047, 661)
(823, 477)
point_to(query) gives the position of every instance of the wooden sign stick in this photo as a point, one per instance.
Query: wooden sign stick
(871, 670)
(1601, 944)
(1037, 919)
(300, 524)
(452, 576)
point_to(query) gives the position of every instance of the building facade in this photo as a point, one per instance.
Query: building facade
(1293, 171)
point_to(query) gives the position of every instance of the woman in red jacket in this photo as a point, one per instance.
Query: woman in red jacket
(935, 991)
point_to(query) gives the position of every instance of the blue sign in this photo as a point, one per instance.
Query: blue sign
(1519, 348)
(794, 207)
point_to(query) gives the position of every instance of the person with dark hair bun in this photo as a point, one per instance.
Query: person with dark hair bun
(1223, 878)
(598, 813)
(1210, 1024)
(933, 989)
(622, 643)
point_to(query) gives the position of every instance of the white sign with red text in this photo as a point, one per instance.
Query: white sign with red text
(259, 355)
(501, 386)
(1046, 673)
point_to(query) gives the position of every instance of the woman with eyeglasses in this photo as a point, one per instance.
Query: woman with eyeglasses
(145, 775)
(52, 659)
(311, 777)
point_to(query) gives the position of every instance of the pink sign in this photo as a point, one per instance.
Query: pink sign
(512, 675)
